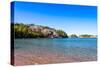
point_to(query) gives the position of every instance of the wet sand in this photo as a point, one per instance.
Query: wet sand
(28, 58)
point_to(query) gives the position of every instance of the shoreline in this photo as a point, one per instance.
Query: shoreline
(32, 52)
(27, 58)
(55, 38)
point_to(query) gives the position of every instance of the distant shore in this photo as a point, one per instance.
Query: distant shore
(37, 31)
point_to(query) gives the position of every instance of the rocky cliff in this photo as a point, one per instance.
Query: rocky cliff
(37, 31)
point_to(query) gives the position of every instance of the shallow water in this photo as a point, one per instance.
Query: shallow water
(74, 47)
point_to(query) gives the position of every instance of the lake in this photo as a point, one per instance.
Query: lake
(57, 50)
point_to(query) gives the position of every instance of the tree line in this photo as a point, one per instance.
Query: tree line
(23, 31)
(20, 30)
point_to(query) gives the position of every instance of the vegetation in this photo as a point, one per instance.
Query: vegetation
(87, 36)
(74, 36)
(62, 33)
(37, 31)
(24, 31)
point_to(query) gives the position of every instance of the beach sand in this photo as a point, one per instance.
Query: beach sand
(28, 58)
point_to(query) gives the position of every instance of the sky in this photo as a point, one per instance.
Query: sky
(73, 19)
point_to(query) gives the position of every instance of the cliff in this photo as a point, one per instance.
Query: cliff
(37, 31)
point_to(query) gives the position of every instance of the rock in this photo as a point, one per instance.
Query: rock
(46, 31)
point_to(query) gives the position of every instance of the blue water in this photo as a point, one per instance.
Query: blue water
(85, 47)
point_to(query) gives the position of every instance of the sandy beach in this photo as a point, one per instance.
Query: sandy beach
(28, 58)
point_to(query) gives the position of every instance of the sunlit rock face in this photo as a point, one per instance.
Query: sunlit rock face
(46, 31)
(36, 28)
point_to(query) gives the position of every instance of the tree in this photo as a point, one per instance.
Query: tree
(20, 30)
(74, 36)
(24, 31)
(61, 33)
(85, 36)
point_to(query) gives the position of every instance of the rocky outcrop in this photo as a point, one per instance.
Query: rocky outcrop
(46, 31)
(37, 31)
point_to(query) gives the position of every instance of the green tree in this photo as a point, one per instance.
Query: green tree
(23, 31)
(85, 36)
(74, 36)
(62, 33)
(20, 30)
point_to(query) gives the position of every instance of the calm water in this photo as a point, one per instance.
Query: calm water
(86, 47)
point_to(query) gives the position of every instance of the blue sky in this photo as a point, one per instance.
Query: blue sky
(73, 19)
